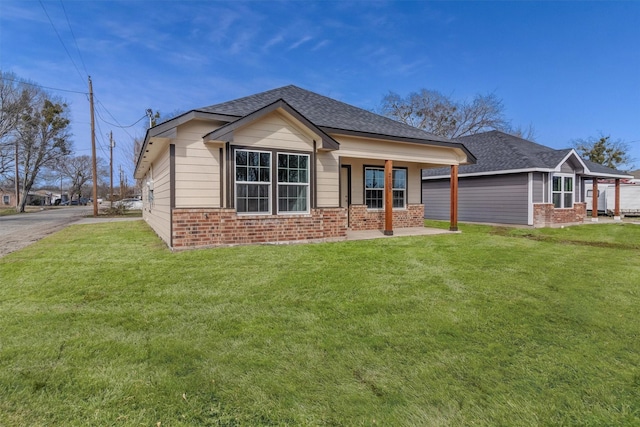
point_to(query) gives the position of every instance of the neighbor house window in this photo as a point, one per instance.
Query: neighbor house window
(6, 199)
(374, 187)
(562, 191)
(293, 182)
(253, 181)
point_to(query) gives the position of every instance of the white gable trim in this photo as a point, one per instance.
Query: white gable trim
(564, 160)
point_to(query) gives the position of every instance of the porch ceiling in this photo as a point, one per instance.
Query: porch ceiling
(422, 154)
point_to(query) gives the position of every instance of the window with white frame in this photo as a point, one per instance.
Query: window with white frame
(253, 181)
(374, 187)
(254, 189)
(562, 191)
(293, 182)
(6, 199)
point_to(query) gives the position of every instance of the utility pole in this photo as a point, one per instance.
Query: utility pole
(17, 186)
(93, 152)
(112, 144)
(121, 184)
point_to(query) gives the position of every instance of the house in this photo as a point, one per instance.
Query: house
(515, 181)
(285, 165)
(7, 198)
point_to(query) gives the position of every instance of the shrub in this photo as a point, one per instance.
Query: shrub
(116, 210)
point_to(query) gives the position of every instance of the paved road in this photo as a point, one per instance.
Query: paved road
(18, 231)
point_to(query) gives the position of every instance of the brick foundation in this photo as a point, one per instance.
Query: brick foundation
(205, 227)
(545, 215)
(361, 218)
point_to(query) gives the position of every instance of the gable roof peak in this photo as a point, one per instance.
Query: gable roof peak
(327, 113)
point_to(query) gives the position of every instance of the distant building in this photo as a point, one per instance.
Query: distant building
(7, 198)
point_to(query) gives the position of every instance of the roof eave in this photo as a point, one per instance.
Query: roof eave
(167, 129)
(489, 173)
(471, 159)
(607, 175)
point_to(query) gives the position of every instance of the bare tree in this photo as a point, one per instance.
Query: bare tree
(43, 139)
(440, 115)
(603, 150)
(528, 133)
(79, 170)
(15, 97)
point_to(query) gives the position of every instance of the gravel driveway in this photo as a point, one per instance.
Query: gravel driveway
(18, 231)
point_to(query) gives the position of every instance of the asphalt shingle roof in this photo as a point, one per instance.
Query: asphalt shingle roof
(324, 112)
(499, 151)
(598, 168)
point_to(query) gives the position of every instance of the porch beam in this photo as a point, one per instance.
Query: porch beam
(594, 201)
(388, 198)
(616, 212)
(453, 226)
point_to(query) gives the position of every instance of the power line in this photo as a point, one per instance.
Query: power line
(74, 37)
(44, 87)
(61, 41)
(116, 120)
(117, 125)
(99, 143)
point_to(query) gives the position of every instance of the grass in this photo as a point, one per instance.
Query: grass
(118, 212)
(28, 209)
(102, 325)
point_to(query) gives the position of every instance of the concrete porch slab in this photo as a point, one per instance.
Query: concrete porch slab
(399, 232)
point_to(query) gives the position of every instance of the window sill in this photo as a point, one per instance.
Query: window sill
(270, 215)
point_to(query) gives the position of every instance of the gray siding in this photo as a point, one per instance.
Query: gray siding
(538, 187)
(566, 168)
(500, 199)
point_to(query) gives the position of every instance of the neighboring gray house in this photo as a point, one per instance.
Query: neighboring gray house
(515, 181)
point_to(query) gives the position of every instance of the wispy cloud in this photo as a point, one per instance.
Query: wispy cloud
(277, 39)
(320, 45)
(300, 42)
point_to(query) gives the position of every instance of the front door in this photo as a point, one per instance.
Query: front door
(345, 188)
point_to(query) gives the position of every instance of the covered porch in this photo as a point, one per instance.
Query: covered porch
(384, 195)
(616, 208)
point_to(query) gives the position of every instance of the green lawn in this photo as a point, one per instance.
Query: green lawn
(102, 325)
(4, 211)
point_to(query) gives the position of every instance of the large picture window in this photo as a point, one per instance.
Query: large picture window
(374, 187)
(562, 191)
(253, 181)
(293, 182)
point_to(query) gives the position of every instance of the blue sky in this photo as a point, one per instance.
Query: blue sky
(570, 69)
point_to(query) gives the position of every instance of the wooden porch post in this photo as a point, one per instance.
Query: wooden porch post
(594, 201)
(453, 226)
(388, 198)
(616, 212)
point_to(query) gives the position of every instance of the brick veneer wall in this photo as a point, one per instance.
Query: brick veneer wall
(215, 227)
(545, 215)
(361, 218)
